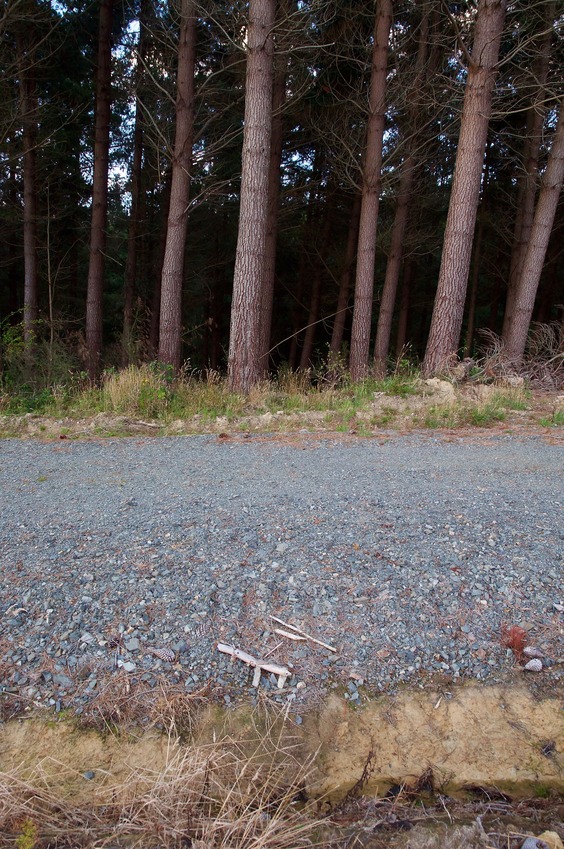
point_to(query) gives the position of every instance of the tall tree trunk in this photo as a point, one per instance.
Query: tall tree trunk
(393, 266)
(528, 181)
(364, 283)
(409, 168)
(474, 283)
(244, 365)
(477, 256)
(28, 101)
(157, 270)
(346, 277)
(12, 236)
(317, 281)
(99, 192)
(448, 310)
(405, 290)
(516, 337)
(170, 333)
(130, 277)
(277, 129)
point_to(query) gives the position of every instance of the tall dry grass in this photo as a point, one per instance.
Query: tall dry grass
(228, 794)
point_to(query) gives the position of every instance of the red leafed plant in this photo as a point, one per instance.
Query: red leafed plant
(515, 638)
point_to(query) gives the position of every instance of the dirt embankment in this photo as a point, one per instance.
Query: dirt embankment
(501, 736)
(391, 774)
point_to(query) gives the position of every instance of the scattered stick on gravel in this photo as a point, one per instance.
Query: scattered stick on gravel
(281, 671)
(302, 633)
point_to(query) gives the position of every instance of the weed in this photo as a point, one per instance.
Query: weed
(138, 390)
(486, 414)
(541, 791)
(514, 400)
(555, 420)
(27, 838)
(515, 638)
(387, 415)
(542, 365)
(399, 385)
(440, 416)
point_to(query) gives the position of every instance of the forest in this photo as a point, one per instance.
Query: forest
(244, 187)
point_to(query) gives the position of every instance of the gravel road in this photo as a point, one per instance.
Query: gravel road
(405, 553)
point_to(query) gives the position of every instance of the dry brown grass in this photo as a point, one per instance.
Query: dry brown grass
(543, 363)
(228, 794)
(122, 704)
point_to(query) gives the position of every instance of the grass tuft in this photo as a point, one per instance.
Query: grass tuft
(555, 420)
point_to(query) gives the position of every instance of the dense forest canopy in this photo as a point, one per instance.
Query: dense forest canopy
(248, 185)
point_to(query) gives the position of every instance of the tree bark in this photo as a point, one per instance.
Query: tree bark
(244, 365)
(277, 130)
(448, 309)
(393, 266)
(407, 177)
(528, 182)
(346, 277)
(160, 221)
(28, 105)
(516, 338)
(99, 192)
(130, 276)
(170, 329)
(364, 283)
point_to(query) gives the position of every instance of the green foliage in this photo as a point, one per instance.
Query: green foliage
(27, 838)
(38, 376)
(486, 415)
(138, 390)
(153, 391)
(555, 420)
(542, 791)
(400, 385)
(460, 415)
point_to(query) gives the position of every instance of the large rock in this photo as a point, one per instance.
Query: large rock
(442, 389)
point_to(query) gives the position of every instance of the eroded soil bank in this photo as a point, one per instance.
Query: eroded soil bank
(491, 744)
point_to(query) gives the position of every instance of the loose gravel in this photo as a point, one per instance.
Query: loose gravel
(406, 553)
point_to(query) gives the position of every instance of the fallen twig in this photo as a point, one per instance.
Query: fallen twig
(281, 671)
(303, 633)
(288, 634)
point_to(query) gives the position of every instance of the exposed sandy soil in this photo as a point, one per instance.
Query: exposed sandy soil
(477, 743)
(471, 735)
(484, 735)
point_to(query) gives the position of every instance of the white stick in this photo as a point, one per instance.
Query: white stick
(303, 633)
(287, 634)
(281, 671)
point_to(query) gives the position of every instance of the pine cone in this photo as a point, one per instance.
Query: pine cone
(163, 654)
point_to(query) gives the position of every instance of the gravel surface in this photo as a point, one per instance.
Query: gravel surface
(406, 553)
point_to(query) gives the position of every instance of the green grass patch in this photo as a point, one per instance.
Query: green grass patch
(555, 420)
(461, 415)
(485, 415)
(153, 393)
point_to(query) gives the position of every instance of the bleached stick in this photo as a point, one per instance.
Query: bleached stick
(288, 634)
(303, 633)
(281, 671)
